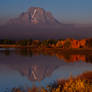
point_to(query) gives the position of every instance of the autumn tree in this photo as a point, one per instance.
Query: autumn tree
(44, 43)
(89, 43)
(59, 44)
(67, 43)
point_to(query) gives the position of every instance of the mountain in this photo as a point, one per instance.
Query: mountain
(38, 24)
(35, 15)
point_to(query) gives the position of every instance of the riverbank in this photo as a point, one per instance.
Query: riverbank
(54, 50)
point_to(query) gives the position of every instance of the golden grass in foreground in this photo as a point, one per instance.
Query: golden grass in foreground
(77, 86)
(71, 85)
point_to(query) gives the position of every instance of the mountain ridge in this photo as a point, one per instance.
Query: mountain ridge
(35, 15)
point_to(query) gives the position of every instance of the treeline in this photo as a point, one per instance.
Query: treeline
(67, 43)
(6, 41)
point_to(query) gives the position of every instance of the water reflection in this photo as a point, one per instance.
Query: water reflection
(61, 56)
(40, 67)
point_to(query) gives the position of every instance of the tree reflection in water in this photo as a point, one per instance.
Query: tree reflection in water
(67, 57)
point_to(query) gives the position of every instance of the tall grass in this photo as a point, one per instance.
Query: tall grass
(70, 85)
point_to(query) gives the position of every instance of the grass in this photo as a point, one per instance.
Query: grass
(79, 84)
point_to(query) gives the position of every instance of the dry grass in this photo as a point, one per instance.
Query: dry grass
(70, 85)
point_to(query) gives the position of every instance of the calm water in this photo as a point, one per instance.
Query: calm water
(25, 68)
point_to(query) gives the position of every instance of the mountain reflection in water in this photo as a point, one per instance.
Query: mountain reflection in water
(40, 67)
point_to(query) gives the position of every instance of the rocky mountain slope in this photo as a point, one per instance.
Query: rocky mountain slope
(34, 15)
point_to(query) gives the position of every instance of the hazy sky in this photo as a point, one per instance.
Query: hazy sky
(67, 11)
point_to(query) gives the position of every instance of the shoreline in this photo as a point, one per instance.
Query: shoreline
(59, 50)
